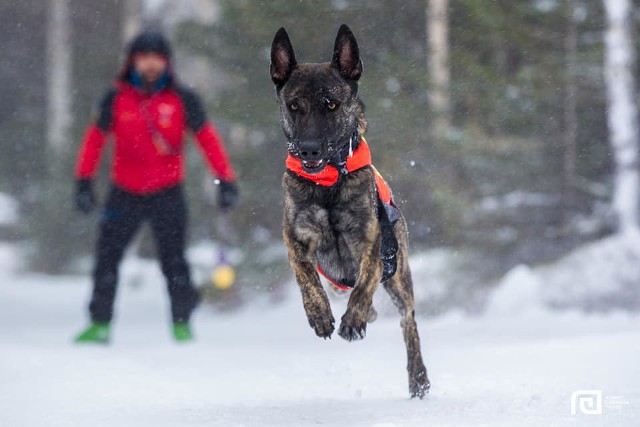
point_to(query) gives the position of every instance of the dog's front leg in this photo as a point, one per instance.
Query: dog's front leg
(314, 298)
(354, 321)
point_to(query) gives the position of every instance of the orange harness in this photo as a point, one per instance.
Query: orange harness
(329, 177)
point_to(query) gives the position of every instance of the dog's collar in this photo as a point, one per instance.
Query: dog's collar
(329, 176)
(339, 158)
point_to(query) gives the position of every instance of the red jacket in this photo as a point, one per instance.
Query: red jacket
(149, 131)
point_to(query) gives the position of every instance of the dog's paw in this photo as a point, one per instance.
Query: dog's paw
(319, 314)
(324, 325)
(352, 329)
(419, 384)
(353, 333)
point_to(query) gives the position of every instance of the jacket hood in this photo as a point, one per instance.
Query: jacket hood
(147, 41)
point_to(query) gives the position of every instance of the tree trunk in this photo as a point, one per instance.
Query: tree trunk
(59, 116)
(131, 19)
(438, 62)
(622, 111)
(570, 115)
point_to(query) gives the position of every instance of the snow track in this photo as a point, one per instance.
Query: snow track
(264, 366)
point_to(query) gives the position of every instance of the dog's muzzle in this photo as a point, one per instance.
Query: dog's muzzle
(312, 156)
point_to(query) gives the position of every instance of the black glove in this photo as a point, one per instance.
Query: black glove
(85, 200)
(227, 195)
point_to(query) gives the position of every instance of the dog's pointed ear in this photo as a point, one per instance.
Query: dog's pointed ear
(346, 55)
(283, 59)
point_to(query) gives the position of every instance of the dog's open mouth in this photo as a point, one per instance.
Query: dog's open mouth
(313, 166)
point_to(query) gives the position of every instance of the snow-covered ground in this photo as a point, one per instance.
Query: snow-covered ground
(264, 366)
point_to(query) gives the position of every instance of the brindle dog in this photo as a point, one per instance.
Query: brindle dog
(339, 227)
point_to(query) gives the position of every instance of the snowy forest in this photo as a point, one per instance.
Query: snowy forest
(497, 147)
(508, 131)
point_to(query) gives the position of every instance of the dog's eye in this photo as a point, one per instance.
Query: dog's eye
(294, 106)
(331, 105)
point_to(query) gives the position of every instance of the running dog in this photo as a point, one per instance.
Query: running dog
(339, 216)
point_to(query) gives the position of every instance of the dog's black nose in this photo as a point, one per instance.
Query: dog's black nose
(310, 150)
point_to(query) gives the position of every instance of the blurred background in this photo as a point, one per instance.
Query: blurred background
(488, 118)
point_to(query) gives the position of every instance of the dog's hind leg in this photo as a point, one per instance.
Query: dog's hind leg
(400, 288)
(401, 292)
(372, 316)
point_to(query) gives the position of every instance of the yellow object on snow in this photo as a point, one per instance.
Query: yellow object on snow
(223, 277)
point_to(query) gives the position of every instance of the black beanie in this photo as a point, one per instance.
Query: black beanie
(150, 41)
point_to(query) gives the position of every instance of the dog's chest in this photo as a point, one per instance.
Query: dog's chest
(322, 214)
(317, 223)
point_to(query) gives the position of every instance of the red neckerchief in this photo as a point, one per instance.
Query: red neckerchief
(328, 177)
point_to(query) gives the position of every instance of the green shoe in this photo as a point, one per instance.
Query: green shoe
(182, 332)
(97, 333)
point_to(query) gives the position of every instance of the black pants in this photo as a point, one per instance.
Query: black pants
(123, 215)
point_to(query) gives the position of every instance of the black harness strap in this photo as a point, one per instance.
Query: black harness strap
(388, 241)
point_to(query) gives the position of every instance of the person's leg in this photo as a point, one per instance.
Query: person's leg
(120, 220)
(168, 215)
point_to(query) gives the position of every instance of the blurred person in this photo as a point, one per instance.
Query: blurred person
(148, 114)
